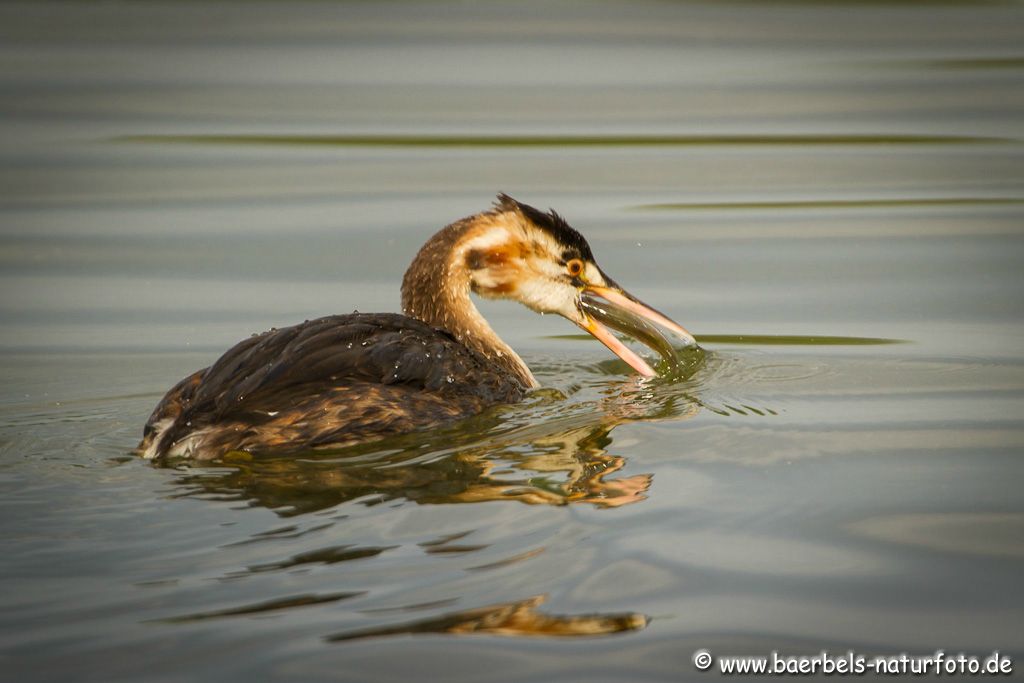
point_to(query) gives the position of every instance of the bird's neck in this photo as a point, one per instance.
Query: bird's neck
(436, 290)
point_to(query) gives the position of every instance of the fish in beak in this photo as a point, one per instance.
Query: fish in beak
(604, 307)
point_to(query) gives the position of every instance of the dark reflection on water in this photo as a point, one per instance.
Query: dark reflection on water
(264, 607)
(558, 140)
(340, 553)
(773, 339)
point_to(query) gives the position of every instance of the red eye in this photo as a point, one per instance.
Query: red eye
(575, 267)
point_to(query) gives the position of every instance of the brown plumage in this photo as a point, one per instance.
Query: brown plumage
(345, 379)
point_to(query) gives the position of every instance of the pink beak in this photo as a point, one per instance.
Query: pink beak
(620, 311)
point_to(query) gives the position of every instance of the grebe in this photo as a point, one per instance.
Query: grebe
(345, 379)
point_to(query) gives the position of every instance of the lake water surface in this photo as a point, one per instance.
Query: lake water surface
(829, 195)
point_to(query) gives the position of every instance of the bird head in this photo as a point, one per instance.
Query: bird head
(521, 253)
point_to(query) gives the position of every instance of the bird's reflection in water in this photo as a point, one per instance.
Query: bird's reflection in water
(547, 454)
(519, 618)
(552, 451)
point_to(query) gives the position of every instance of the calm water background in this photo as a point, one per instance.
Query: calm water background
(174, 177)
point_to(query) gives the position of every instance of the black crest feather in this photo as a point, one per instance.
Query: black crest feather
(551, 223)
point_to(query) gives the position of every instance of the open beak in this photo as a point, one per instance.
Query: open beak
(611, 307)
